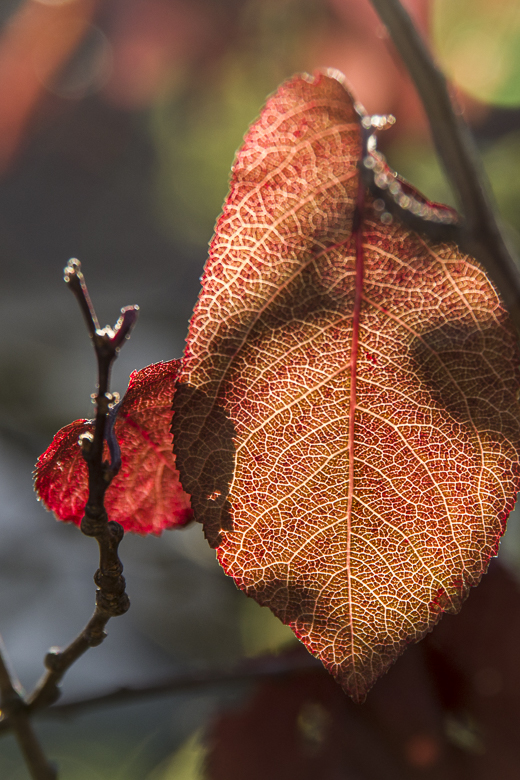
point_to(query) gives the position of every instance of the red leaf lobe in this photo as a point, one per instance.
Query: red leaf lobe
(146, 495)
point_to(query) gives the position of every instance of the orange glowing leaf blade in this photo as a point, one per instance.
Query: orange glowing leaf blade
(357, 489)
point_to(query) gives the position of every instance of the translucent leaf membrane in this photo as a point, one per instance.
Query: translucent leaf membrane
(146, 495)
(358, 513)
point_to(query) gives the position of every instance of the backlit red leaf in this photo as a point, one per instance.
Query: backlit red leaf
(357, 491)
(146, 495)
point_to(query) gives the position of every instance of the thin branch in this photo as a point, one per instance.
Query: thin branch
(481, 233)
(255, 669)
(111, 601)
(73, 276)
(16, 713)
(111, 598)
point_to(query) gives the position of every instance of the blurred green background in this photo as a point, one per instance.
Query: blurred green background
(119, 121)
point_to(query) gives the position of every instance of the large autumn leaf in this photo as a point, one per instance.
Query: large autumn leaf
(348, 431)
(146, 495)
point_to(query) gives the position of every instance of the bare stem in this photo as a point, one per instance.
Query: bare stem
(111, 598)
(250, 671)
(481, 234)
(111, 601)
(16, 713)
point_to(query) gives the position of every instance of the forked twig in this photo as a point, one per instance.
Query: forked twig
(111, 598)
(252, 670)
(480, 234)
(15, 712)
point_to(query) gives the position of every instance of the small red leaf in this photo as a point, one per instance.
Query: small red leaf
(146, 496)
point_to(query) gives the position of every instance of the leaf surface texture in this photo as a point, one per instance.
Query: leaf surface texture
(359, 538)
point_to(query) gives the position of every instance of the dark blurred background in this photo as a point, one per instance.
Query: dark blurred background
(119, 120)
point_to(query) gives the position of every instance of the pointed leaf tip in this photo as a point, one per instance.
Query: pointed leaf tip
(146, 495)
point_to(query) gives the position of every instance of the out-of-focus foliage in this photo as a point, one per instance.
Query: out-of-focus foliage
(261, 631)
(477, 42)
(447, 710)
(198, 127)
(187, 763)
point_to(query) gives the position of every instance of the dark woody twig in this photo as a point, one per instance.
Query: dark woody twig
(15, 712)
(111, 599)
(480, 233)
(249, 671)
(271, 666)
